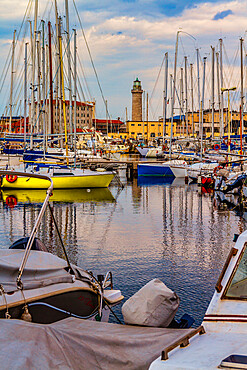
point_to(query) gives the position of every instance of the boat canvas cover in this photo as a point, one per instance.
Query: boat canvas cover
(82, 344)
(42, 269)
(153, 305)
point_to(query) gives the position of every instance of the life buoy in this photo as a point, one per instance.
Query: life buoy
(11, 178)
(11, 201)
(216, 169)
(217, 147)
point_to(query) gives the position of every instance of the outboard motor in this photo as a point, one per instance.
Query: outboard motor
(22, 243)
(153, 305)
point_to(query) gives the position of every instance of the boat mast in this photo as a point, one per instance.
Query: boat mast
(43, 87)
(58, 78)
(38, 82)
(11, 83)
(165, 96)
(25, 95)
(106, 113)
(213, 57)
(218, 85)
(186, 95)
(202, 104)
(173, 94)
(182, 98)
(221, 87)
(192, 99)
(147, 109)
(63, 97)
(31, 118)
(242, 86)
(51, 82)
(69, 65)
(75, 87)
(198, 85)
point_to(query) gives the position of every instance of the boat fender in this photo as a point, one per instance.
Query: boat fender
(26, 316)
(217, 147)
(11, 178)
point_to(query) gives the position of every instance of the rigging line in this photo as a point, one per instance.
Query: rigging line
(157, 78)
(78, 93)
(48, 92)
(82, 70)
(154, 88)
(5, 72)
(91, 59)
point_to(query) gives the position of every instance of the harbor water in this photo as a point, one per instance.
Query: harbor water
(148, 229)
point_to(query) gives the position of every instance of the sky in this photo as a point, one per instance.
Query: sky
(129, 38)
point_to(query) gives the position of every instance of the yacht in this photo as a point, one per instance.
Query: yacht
(220, 341)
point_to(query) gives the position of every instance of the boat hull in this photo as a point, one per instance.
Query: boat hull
(97, 180)
(160, 170)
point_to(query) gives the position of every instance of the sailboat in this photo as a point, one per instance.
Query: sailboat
(40, 287)
(63, 178)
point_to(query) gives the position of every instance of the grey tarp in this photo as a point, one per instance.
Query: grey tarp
(81, 344)
(42, 269)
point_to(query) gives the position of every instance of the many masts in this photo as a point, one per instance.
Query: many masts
(45, 79)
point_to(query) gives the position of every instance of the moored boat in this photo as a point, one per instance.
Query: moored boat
(40, 287)
(173, 168)
(63, 178)
(220, 342)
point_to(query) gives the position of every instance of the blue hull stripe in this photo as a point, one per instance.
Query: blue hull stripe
(154, 170)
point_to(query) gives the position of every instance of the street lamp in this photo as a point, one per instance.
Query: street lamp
(229, 129)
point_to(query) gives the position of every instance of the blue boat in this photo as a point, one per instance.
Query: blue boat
(174, 168)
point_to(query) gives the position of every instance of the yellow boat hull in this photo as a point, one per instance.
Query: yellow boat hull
(98, 180)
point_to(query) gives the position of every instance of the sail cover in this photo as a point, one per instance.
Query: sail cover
(82, 344)
(42, 269)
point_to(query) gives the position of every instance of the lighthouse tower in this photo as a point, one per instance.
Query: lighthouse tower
(137, 101)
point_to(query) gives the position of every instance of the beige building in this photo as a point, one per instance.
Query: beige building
(85, 115)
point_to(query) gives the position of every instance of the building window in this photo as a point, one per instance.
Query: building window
(152, 124)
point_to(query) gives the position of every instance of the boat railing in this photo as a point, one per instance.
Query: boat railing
(38, 220)
(182, 342)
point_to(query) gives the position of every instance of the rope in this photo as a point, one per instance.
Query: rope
(91, 59)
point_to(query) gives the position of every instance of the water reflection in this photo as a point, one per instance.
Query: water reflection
(168, 231)
(12, 196)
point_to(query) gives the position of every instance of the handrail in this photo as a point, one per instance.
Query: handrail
(232, 253)
(38, 221)
(182, 342)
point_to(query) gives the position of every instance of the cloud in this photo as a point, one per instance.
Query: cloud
(129, 38)
(222, 15)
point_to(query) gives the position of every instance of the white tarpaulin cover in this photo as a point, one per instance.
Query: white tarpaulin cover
(81, 344)
(42, 269)
(153, 305)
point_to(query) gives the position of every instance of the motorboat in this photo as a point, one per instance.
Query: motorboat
(220, 341)
(40, 287)
(63, 177)
(172, 168)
